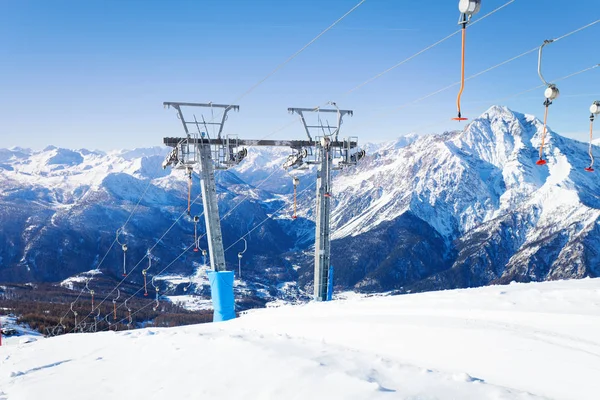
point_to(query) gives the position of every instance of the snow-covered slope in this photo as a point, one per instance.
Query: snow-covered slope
(521, 341)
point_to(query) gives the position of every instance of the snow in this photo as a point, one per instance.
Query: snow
(80, 278)
(191, 302)
(198, 278)
(521, 341)
(23, 334)
(69, 171)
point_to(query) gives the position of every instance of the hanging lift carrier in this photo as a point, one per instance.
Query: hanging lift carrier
(467, 9)
(594, 111)
(551, 93)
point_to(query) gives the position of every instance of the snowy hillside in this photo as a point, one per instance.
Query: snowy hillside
(521, 341)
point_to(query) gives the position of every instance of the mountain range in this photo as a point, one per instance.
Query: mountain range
(459, 209)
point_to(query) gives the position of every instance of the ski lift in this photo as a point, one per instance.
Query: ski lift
(594, 110)
(467, 9)
(128, 314)
(75, 314)
(240, 255)
(196, 220)
(124, 248)
(296, 159)
(91, 291)
(115, 305)
(156, 289)
(356, 157)
(551, 93)
(185, 289)
(145, 272)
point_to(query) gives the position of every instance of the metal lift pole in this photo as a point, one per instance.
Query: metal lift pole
(197, 150)
(324, 151)
(211, 209)
(322, 237)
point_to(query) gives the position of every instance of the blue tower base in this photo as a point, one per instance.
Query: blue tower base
(221, 289)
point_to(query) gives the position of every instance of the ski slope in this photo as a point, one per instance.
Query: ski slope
(521, 341)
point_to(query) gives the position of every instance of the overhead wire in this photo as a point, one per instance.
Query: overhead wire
(248, 195)
(379, 75)
(285, 126)
(296, 54)
(577, 30)
(110, 247)
(268, 218)
(484, 72)
(143, 258)
(288, 124)
(290, 58)
(171, 227)
(440, 121)
(189, 247)
(540, 86)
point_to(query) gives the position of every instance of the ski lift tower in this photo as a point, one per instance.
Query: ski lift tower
(326, 148)
(220, 152)
(198, 149)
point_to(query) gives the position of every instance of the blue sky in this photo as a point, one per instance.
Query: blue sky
(94, 73)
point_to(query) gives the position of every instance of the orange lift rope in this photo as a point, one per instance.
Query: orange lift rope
(115, 305)
(467, 9)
